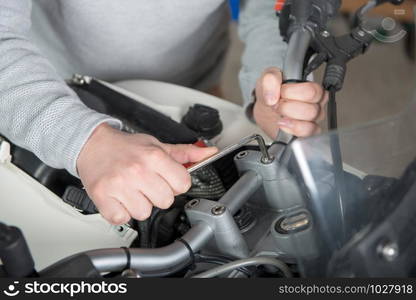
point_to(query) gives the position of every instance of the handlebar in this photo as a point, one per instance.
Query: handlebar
(150, 262)
(301, 22)
(293, 67)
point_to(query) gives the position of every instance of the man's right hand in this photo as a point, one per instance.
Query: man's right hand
(127, 174)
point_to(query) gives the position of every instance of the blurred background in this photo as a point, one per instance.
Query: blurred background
(378, 84)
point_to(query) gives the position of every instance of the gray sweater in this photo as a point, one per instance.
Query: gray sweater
(43, 42)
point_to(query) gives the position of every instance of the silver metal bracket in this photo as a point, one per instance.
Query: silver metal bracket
(228, 239)
(281, 191)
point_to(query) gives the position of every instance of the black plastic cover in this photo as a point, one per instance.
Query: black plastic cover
(14, 252)
(204, 120)
(137, 116)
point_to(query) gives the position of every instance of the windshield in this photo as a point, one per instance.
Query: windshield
(345, 198)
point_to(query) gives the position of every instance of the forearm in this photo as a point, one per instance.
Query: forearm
(38, 110)
(264, 47)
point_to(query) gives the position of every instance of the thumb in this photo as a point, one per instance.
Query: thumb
(189, 153)
(270, 86)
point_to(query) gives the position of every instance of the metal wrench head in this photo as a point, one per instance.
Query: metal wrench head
(266, 157)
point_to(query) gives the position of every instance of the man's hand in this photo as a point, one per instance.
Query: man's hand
(294, 107)
(127, 174)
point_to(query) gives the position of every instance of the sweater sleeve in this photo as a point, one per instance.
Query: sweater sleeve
(38, 111)
(264, 47)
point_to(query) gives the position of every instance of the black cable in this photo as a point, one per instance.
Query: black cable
(154, 217)
(144, 233)
(332, 110)
(154, 228)
(128, 257)
(336, 154)
(191, 252)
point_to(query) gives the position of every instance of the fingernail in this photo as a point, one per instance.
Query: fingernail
(270, 98)
(285, 123)
(213, 149)
(208, 151)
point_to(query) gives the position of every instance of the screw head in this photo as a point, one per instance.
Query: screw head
(218, 210)
(361, 33)
(192, 203)
(325, 33)
(242, 154)
(389, 251)
(267, 160)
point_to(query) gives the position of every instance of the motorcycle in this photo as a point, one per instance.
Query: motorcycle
(338, 204)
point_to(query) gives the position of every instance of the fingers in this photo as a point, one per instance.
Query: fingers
(171, 168)
(309, 92)
(134, 189)
(299, 110)
(125, 174)
(299, 128)
(300, 107)
(157, 191)
(305, 108)
(268, 87)
(323, 104)
(175, 176)
(111, 209)
(133, 200)
(189, 153)
(138, 205)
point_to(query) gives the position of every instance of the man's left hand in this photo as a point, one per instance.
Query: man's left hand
(296, 108)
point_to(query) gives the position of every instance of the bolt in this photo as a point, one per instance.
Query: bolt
(389, 251)
(325, 34)
(294, 223)
(361, 33)
(218, 210)
(242, 154)
(192, 203)
(267, 160)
